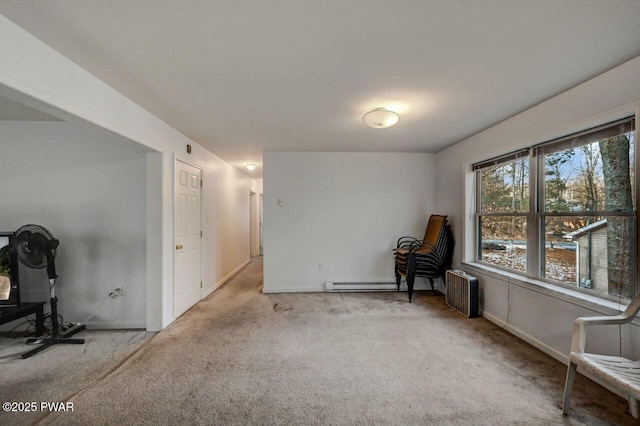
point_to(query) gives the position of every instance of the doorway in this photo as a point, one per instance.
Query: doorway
(255, 223)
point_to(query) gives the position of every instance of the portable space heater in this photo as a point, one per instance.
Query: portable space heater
(462, 293)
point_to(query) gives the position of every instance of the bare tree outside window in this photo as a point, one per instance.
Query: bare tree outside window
(617, 189)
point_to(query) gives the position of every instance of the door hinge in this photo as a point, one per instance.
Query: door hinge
(200, 183)
(200, 234)
(200, 284)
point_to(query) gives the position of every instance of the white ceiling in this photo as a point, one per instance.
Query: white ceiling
(241, 77)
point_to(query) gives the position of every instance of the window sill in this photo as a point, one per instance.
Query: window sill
(597, 304)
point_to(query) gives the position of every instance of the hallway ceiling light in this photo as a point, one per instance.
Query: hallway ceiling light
(251, 167)
(381, 118)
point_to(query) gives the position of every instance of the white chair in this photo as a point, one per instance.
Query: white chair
(620, 373)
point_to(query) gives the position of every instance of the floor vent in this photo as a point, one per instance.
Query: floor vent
(462, 293)
(359, 286)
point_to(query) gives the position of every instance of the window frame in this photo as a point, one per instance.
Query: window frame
(537, 214)
(478, 167)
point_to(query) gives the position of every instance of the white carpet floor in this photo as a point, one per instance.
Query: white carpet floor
(241, 357)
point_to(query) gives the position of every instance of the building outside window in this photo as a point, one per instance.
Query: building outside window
(564, 211)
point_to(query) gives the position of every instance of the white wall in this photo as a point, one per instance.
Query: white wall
(256, 186)
(34, 70)
(88, 189)
(544, 318)
(344, 210)
(225, 222)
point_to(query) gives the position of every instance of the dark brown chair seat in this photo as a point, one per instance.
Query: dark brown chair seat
(428, 258)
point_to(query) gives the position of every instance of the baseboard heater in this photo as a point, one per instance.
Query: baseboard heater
(360, 286)
(462, 293)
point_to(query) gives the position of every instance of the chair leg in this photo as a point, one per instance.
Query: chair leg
(571, 375)
(398, 280)
(633, 407)
(431, 281)
(410, 279)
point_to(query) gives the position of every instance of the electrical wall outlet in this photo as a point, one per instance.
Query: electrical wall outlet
(321, 266)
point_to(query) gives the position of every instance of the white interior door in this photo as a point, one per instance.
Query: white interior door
(187, 263)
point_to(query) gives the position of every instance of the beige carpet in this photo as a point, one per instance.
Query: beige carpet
(59, 372)
(242, 357)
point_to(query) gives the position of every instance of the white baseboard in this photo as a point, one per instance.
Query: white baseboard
(559, 356)
(98, 325)
(563, 358)
(340, 286)
(321, 288)
(115, 325)
(294, 290)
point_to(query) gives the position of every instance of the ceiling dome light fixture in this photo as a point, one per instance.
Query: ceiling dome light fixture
(381, 118)
(251, 167)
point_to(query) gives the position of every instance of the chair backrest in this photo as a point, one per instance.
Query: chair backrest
(431, 260)
(434, 229)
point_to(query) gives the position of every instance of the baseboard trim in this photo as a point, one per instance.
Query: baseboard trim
(225, 279)
(294, 290)
(322, 289)
(104, 325)
(559, 356)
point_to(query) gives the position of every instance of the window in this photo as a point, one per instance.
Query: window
(564, 211)
(503, 208)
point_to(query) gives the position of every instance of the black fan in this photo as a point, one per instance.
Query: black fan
(36, 248)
